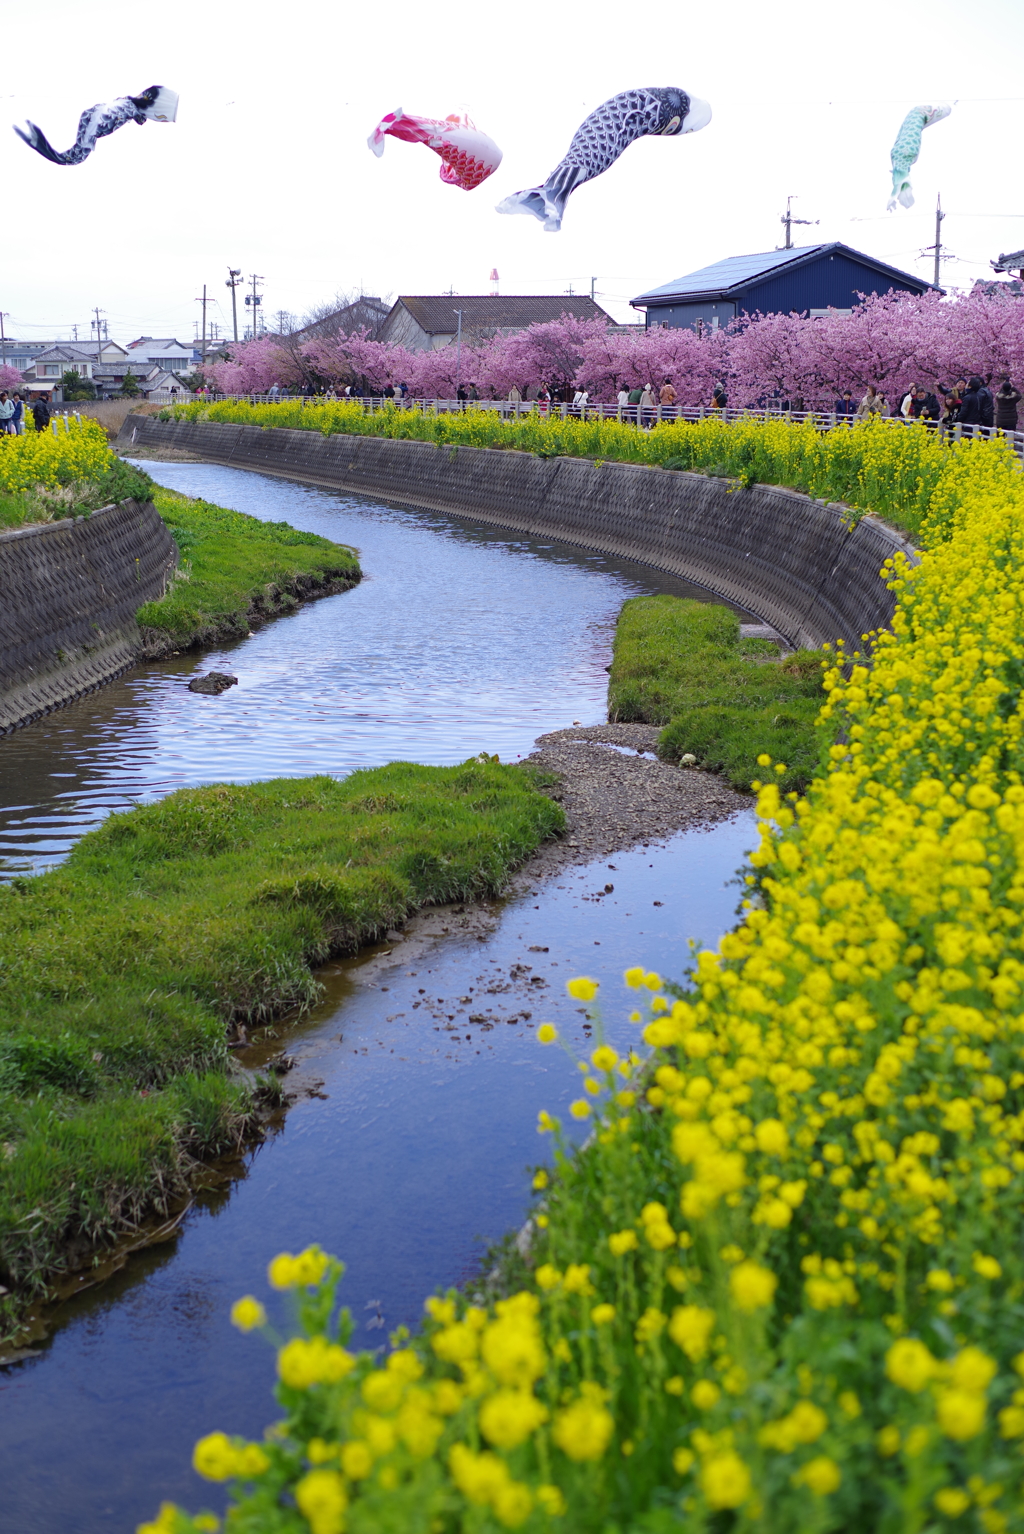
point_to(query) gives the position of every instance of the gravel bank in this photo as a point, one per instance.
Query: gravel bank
(616, 793)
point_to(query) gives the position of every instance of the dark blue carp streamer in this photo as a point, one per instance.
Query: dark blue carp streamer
(158, 104)
(602, 137)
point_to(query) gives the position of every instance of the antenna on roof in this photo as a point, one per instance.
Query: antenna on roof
(788, 219)
(494, 282)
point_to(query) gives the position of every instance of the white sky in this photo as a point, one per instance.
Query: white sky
(267, 167)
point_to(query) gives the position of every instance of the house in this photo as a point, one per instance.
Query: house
(22, 354)
(364, 313)
(809, 279)
(426, 323)
(104, 363)
(179, 357)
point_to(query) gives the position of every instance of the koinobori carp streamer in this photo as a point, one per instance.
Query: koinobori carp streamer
(468, 155)
(157, 104)
(906, 150)
(602, 137)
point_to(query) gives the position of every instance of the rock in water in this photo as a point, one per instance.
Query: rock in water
(213, 682)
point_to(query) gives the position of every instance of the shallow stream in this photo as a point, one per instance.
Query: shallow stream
(418, 1078)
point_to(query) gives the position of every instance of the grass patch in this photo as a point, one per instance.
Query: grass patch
(123, 968)
(680, 663)
(235, 568)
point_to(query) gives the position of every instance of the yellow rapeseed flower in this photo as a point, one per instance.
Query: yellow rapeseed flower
(725, 1480)
(582, 988)
(320, 1497)
(752, 1286)
(247, 1313)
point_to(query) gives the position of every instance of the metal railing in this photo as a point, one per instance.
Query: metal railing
(643, 417)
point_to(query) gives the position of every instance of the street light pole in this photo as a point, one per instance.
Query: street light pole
(4, 314)
(234, 278)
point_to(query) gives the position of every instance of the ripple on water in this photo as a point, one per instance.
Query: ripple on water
(461, 638)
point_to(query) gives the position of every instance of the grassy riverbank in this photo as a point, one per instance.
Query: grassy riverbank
(123, 968)
(910, 476)
(47, 475)
(681, 664)
(235, 571)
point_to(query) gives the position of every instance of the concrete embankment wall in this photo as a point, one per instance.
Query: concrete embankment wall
(69, 592)
(786, 559)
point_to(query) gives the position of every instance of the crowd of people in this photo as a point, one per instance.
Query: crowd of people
(968, 402)
(13, 409)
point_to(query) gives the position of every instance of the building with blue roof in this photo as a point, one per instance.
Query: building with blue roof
(808, 279)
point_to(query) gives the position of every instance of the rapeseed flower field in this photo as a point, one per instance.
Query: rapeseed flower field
(57, 473)
(782, 1286)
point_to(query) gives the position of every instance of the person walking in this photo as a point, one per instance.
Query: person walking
(1007, 400)
(579, 403)
(648, 404)
(622, 401)
(907, 410)
(719, 398)
(668, 399)
(6, 413)
(845, 408)
(633, 400)
(41, 412)
(18, 418)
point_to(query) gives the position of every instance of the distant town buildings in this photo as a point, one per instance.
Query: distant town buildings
(158, 364)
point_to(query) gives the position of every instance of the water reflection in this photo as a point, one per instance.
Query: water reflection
(461, 638)
(412, 1159)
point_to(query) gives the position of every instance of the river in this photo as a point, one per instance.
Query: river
(412, 1153)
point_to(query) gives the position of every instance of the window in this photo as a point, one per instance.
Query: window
(51, 369)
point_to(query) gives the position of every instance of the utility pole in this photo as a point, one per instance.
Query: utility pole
(255, 299)
(458, 353)
(204, 301)
(593, 289)
(4, 315)
(234, 279)
(99, 332)
(939, 216)
(74, 331)
(788, 219)
(937, 252)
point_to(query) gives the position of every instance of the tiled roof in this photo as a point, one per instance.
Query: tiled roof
(436, 313)
(736, 273)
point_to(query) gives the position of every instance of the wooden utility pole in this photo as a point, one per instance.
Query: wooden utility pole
(204, 300)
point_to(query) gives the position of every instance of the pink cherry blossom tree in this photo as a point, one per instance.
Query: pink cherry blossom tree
(10, 378)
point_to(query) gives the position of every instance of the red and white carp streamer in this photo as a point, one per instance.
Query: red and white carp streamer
(469, 156)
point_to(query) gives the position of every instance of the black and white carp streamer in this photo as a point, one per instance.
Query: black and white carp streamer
(602, 137)
(158, 104)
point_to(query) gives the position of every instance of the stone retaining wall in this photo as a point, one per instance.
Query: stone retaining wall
(69, 592)
(786, 559)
